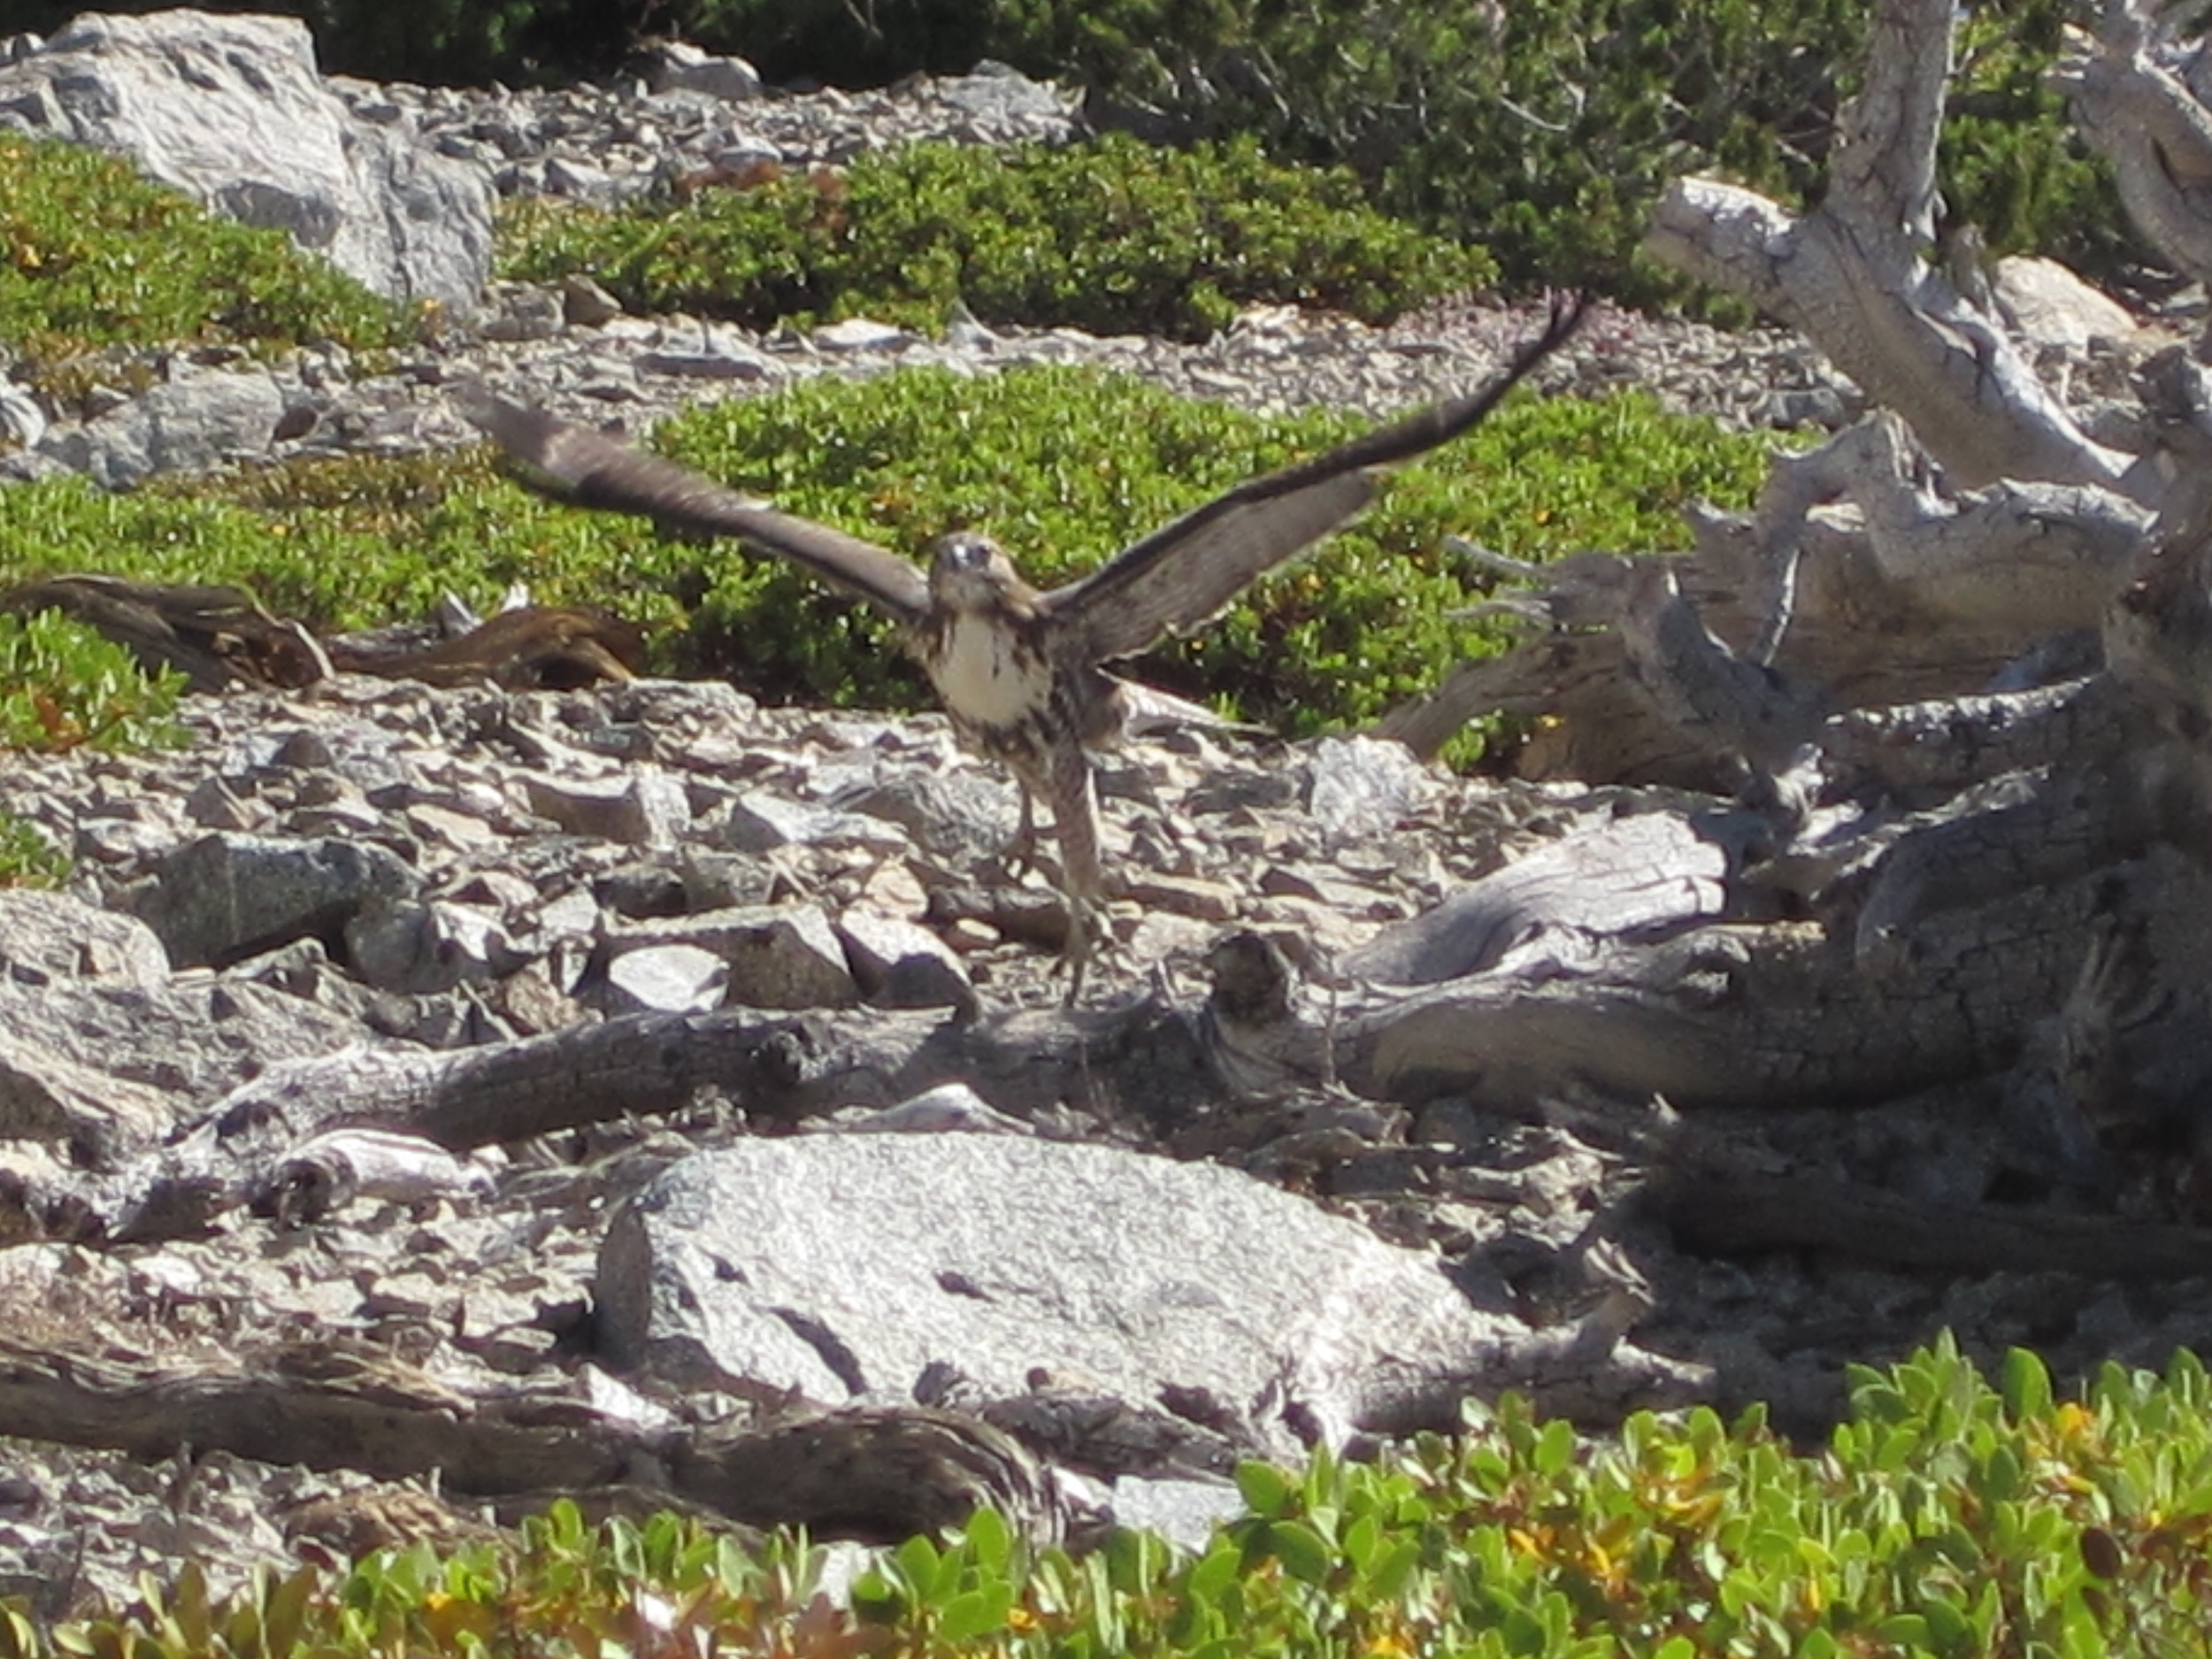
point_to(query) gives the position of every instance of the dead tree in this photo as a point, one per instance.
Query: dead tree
(1954, 666)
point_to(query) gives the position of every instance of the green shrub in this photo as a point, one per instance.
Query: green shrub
(1947, 1518)
(28, 859)
(1064, 465)
(94, 254)
(1116, 237)
(1544, 129)
(62, 687)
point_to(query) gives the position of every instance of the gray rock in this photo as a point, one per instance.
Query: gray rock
(948, 1109)
(585, 304)
(1360, 787)
(1184, 1512)
(22, 422)
(666, 978)
(761, 822)
(45, 937)
(422, 947)
(780, 955)
(968, 813)
(644, 808)
(776, 955)
(841, 1266)
(860, 334)
(229, 109)
(680, 66)
(1000, 94)
(902, 964)
(2048, 306)
(228, 896)
(197, 421)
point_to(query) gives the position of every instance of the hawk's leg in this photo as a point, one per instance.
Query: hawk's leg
(1021, 853)
(1071, 790)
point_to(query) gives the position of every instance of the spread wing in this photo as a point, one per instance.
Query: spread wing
(592, 469)
(1185, 572)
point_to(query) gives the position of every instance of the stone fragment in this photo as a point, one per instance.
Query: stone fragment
(644, 807)
(781, 956)
(99, 1117)
(225, 896)
(948, 1109)
(841, 1266)
(50, 936)
(860, 334)
(423, 948)
(760, 823)
(901, 964)
(666, 978)
(1183, 895)
(2051, 306)
(188, 424)
(680, 66)
(229, 110)
(585, 304)
(1357, 787)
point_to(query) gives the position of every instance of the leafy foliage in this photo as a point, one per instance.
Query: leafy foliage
(1545, 130)
(1949, 1516)
(28, 859)
(93, 254)
(1115, 237)
(1064, 465)
(62, 687)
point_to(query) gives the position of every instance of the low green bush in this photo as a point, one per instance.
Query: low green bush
(93, 254)
(1117, 237)
(63, 686)
(1946, 1517)
(28, 859)
(1544, 129)
(1064, 465)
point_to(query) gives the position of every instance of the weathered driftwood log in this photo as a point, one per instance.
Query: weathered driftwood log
(1851, 275)
(881, 1474)
(221, 636)
(213, 636)
(1733, 1210)
(2007, 539)
(2138, 95)
(530, 648)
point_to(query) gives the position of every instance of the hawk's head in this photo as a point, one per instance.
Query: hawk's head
(969, 571)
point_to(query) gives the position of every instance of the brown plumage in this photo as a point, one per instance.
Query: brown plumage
(1019, 669)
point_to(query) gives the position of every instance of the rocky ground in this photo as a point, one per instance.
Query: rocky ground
(391, 870)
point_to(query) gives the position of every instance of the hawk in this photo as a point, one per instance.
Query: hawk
(1019, 670)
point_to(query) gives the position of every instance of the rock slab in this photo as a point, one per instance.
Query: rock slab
(230, 110)
(841, 1266)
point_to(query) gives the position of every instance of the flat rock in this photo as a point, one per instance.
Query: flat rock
(227, 895)
(230, 109)
(841, 1266)
(50, 936)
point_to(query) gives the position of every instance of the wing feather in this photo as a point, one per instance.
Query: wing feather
(592, 469)
(1185, 572)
